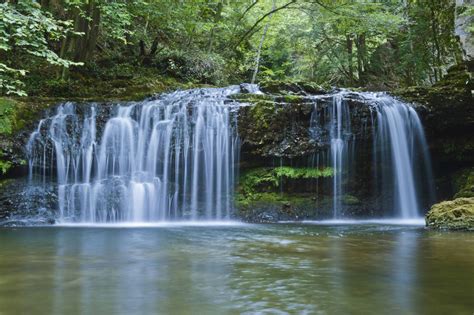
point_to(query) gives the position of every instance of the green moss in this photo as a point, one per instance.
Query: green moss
(262, 114)
(457, 214)
(107, 79)
(280, 199)
(252, 98)
(16, 114)
(268, 176)
(292, 99)
(302, 173)
(258, 185)
(465, 184)
(350, 200)
(7, 115)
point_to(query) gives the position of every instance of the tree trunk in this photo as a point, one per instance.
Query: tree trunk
(437, 53)
(217, 19)
(87, 22)
(260, 45)
(361, 56)
(349, 59)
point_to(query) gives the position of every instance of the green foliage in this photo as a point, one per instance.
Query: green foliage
(465, 184)
(5, 166)
(302, 173)
(7, 116)
(329, 42)
(271, 178)
(468, 11)
(116, 21)
(26, 29)
(260, 184)
(193, 67)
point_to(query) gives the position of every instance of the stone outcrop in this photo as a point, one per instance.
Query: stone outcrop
(25, 204)
(457, 214)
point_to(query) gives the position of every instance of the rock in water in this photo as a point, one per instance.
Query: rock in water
(457, 214)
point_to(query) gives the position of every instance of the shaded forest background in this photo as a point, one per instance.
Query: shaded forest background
(57, 47)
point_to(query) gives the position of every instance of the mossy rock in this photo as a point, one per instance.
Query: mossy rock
(291, 87)
(350, 200)
(275, 128)
(252, 98)
(260, 199)
(267, 178)
(274, 207)
(457, 214)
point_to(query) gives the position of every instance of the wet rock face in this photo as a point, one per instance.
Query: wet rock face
(447, 114)
(272, 194)
(24, 203)
(448, 119)
(289, 125)
(270, 128)
(279, 126)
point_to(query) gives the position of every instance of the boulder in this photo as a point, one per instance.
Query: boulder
(457, 214)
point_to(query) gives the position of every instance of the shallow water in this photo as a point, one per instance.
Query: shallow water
(272, 269)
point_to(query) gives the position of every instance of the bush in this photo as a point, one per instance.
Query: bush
(195, 66)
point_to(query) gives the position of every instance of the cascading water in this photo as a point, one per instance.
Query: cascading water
(169, 158)
(400, 141)
(398, 146)
(340, 132)
(176, 157)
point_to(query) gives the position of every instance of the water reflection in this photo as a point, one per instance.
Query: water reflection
(405, 270)
(249, 269)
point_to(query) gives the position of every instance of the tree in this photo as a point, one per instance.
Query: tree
(27, 30)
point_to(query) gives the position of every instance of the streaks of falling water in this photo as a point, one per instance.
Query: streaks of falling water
(170, 158)
(400, 127)
(339, 126)
(398, 142)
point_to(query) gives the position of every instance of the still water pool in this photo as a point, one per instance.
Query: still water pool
(234, 269)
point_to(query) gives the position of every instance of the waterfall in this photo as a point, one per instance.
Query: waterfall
(175, 157)
(339, 127)
(400, 160)
(401, 141)
(169, 158)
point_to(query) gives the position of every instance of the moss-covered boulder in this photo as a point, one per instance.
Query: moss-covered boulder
(457, 214)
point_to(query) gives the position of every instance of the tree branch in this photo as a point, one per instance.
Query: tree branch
(247, 10)
(263, 18)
